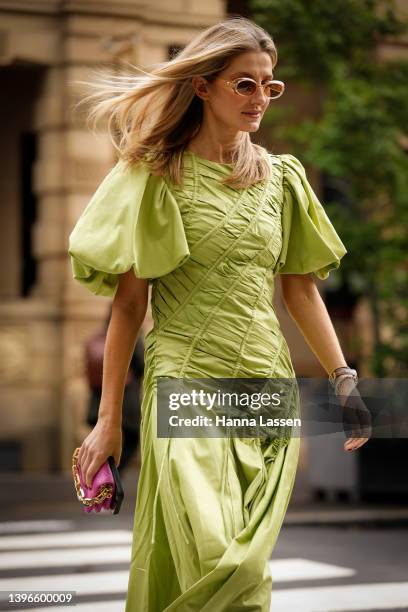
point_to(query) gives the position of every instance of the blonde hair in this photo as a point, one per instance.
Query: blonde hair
(153, 115)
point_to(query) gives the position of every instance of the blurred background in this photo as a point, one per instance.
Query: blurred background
(344, 114)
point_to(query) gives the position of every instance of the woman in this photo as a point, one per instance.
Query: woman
(209, 219)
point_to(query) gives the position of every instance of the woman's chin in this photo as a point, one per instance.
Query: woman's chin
(251, 128)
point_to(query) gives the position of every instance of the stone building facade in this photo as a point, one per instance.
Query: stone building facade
(51, 165)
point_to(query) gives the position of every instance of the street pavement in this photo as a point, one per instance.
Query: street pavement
(314, 569)
(328, 558)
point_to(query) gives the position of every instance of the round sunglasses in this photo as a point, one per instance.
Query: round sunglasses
(245, 86)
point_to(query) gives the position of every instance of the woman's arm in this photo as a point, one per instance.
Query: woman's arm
(128, 311)
(307, 308)
(305, 305)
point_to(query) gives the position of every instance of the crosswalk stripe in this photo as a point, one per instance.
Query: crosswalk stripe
(283, 570)
(344, 598)
(99, 606)
(65, 557)
(70, 539)
(33, 526)
(86, 583)
(114, 581)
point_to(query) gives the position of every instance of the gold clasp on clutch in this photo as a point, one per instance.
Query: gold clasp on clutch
(104, 493)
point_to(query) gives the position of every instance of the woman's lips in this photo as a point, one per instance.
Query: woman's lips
(253, 115)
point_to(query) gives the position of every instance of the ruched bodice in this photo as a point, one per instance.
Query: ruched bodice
(214, 315)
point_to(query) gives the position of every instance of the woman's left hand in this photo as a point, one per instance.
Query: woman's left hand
(356, 416)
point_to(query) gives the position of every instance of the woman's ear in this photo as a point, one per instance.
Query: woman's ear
(200, 87)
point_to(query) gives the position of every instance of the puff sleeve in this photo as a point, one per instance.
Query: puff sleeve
(132, 221)
(309, 241)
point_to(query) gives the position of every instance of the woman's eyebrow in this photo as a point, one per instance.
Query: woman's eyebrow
(248, 74)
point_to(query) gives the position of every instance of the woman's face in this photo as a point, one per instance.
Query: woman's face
(234, 112)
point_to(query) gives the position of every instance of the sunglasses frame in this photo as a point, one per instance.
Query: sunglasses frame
(234, 84)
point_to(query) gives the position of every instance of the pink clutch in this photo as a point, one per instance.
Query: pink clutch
(106, 492)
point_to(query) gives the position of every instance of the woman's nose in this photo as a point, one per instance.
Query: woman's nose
(260, 95)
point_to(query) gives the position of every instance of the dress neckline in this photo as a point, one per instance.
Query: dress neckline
(207, 161)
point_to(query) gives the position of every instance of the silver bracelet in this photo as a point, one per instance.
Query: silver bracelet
(341, 372)
(341, 379)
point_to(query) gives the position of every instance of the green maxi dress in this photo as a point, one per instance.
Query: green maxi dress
(208, 510)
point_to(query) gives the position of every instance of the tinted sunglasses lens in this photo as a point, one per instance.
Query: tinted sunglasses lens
(245, 87)
(274, 90)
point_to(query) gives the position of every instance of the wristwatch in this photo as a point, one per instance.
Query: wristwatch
(351, 373)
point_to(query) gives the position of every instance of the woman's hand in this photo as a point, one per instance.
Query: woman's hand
(103, 441)
(356, 416)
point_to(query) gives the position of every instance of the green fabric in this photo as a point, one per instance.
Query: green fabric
(310, 242)
(132, 221)
(208, 510)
